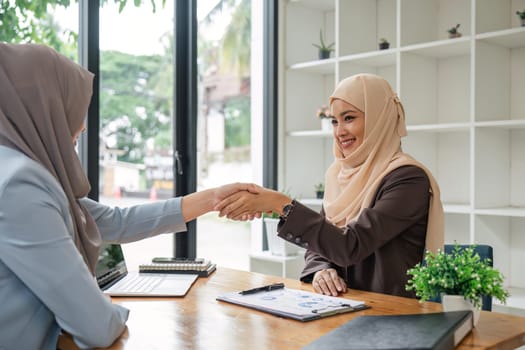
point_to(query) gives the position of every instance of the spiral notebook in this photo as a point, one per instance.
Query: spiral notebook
(202, 268)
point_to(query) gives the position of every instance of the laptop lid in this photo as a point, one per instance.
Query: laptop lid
(111, 266)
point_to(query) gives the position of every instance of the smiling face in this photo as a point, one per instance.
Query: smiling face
(348, 126)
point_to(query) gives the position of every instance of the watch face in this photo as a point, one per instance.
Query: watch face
(286, 209)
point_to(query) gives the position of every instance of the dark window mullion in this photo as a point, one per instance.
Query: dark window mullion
(270, 93)
(185, 112)
(92, 57)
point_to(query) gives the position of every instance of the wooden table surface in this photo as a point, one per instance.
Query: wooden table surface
(199, 321)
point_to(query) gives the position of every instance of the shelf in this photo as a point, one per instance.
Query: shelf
(310, 133)
(266, 255)
(503, 124)
(320, 66)
(439, 127)
(311, 202)
(508, 211)
(441, 48)
(509, 38)
(282, 266)
(378, 58)
(456, 208)
(449, 127)
(515, 302)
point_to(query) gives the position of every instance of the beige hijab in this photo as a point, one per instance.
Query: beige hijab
(44, 99)
(352, 181)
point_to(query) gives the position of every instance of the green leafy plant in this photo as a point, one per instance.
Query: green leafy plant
(521, 14)
(461, 272)
(273, 215)
(383, 44)
(322, 46)
(454, 30)
(319, 190)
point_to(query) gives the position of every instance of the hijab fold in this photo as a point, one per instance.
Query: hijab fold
(44, 98)
(352, 181)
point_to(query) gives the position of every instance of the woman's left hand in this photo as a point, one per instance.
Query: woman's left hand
(328, 282)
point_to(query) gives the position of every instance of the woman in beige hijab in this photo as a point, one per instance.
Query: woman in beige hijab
(381, 208)
(50, 233)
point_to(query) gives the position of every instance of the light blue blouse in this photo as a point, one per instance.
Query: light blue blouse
(45, 285)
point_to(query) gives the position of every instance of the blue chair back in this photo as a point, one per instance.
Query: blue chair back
(484, 252)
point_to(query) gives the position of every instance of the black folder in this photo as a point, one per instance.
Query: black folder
(436, 331)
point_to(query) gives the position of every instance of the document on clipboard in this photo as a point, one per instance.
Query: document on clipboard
(293, 303)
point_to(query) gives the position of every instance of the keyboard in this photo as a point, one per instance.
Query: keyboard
(138, 283)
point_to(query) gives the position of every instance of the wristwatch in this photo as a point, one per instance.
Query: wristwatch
(287, 209)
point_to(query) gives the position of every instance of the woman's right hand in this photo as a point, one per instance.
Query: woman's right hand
(328, 282)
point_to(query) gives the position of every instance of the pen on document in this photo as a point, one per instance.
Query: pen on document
(267, 288)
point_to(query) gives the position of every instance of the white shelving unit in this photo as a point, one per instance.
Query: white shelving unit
(463, 97)
(282, 266)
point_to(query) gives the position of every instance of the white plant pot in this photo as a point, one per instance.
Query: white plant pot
(276, 244)
(457, 302)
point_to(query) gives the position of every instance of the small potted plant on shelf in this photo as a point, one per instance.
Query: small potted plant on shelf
(324, 50)
(324, 114)
(460, 276)
(521, 14)
(383, 44)
(453, 32)
(319, 190)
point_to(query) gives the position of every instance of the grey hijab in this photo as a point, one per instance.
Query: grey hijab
(44, 99)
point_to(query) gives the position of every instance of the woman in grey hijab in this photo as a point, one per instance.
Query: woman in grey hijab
(50, 233)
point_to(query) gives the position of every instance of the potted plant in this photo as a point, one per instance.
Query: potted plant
(324, 114)
(324, 50)
(453, 32)
(277, 245)
(383, 44)
(319, 190)
(522, 17)
(461, 273)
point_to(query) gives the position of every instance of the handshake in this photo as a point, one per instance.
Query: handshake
(245, 201)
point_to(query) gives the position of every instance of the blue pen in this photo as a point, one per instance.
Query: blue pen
(267, 288)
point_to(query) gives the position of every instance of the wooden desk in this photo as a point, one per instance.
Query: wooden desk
(198, 321)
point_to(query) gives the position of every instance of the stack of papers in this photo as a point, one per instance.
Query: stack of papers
(295, 304)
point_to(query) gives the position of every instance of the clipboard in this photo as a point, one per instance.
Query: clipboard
(296, 304)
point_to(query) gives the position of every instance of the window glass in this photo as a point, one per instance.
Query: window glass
(136, 113)
(224, 122)
(49, 24)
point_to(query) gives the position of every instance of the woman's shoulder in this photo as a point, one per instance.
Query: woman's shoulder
(407, 172)
(411, 175)
(24, 173)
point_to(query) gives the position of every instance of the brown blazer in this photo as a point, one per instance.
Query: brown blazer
(374, 252)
